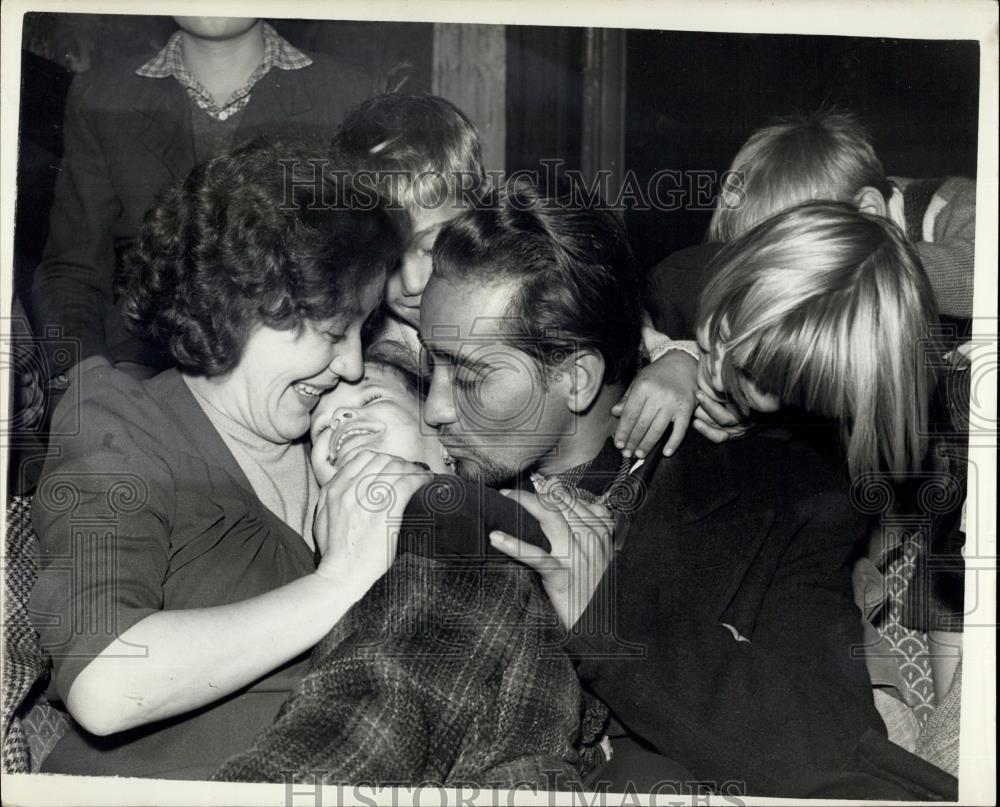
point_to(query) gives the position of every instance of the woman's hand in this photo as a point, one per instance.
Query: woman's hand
(581, 537)
(203, 654)
(662, 393)
(357, 522)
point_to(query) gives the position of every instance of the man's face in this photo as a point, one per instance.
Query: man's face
(404, 287)
(489, 401)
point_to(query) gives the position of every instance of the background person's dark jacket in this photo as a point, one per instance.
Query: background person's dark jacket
(125, 138)
(674, 287)
(737, 647)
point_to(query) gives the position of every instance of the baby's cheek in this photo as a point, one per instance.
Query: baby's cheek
(321, 416)
(406, 443)
(320, 457)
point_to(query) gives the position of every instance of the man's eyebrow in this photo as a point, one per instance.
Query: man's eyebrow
(456, 358)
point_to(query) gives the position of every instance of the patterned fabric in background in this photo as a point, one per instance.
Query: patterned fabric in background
(169, 62)
(909, 646)
(31, 726)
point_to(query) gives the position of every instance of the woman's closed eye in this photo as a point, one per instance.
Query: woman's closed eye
(371, 397)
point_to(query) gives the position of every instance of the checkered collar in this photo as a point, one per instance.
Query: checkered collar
(169, 62)
(592, 479)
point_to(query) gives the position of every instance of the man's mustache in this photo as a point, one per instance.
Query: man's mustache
(450, 437)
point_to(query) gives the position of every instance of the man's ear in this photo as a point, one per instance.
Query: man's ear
(871, 201)
(582, 379)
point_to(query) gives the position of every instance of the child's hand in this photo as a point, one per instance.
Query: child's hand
(662, 393)
(717, 420)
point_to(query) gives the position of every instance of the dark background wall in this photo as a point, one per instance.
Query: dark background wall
(544, 95)
(694, 98)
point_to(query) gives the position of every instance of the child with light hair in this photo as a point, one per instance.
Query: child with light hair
(826, 309)
(829, 155)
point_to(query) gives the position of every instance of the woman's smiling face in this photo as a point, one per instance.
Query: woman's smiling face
(380, 412)
(283, 373)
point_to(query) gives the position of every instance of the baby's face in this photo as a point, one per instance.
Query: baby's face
(380, 413)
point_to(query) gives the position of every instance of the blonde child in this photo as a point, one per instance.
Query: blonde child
(828, 309)
(829, 155)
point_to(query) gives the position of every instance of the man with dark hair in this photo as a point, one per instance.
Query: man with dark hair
(718, 623)
(550, 300)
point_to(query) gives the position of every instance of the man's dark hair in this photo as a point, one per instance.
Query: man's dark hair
(240, 243)
(578, 285)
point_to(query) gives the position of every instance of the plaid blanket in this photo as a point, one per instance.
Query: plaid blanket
(448, 673)
(31, 726)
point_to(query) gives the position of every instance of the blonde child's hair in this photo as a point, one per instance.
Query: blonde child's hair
(830, 310)
(823, 155)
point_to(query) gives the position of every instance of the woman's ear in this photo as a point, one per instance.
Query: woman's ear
(871, 201)
(582, 377)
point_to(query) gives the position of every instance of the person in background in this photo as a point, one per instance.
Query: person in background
(827, 310)
(134, 126)
(827, 155)
(423, 154)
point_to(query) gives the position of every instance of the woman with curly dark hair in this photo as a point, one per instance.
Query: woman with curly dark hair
(189, 559)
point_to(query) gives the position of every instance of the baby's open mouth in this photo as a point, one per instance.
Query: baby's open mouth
(351, 432)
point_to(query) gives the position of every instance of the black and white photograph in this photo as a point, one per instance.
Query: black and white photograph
(499, 403)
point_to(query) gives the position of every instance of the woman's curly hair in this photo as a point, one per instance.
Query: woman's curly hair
(264, 235)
